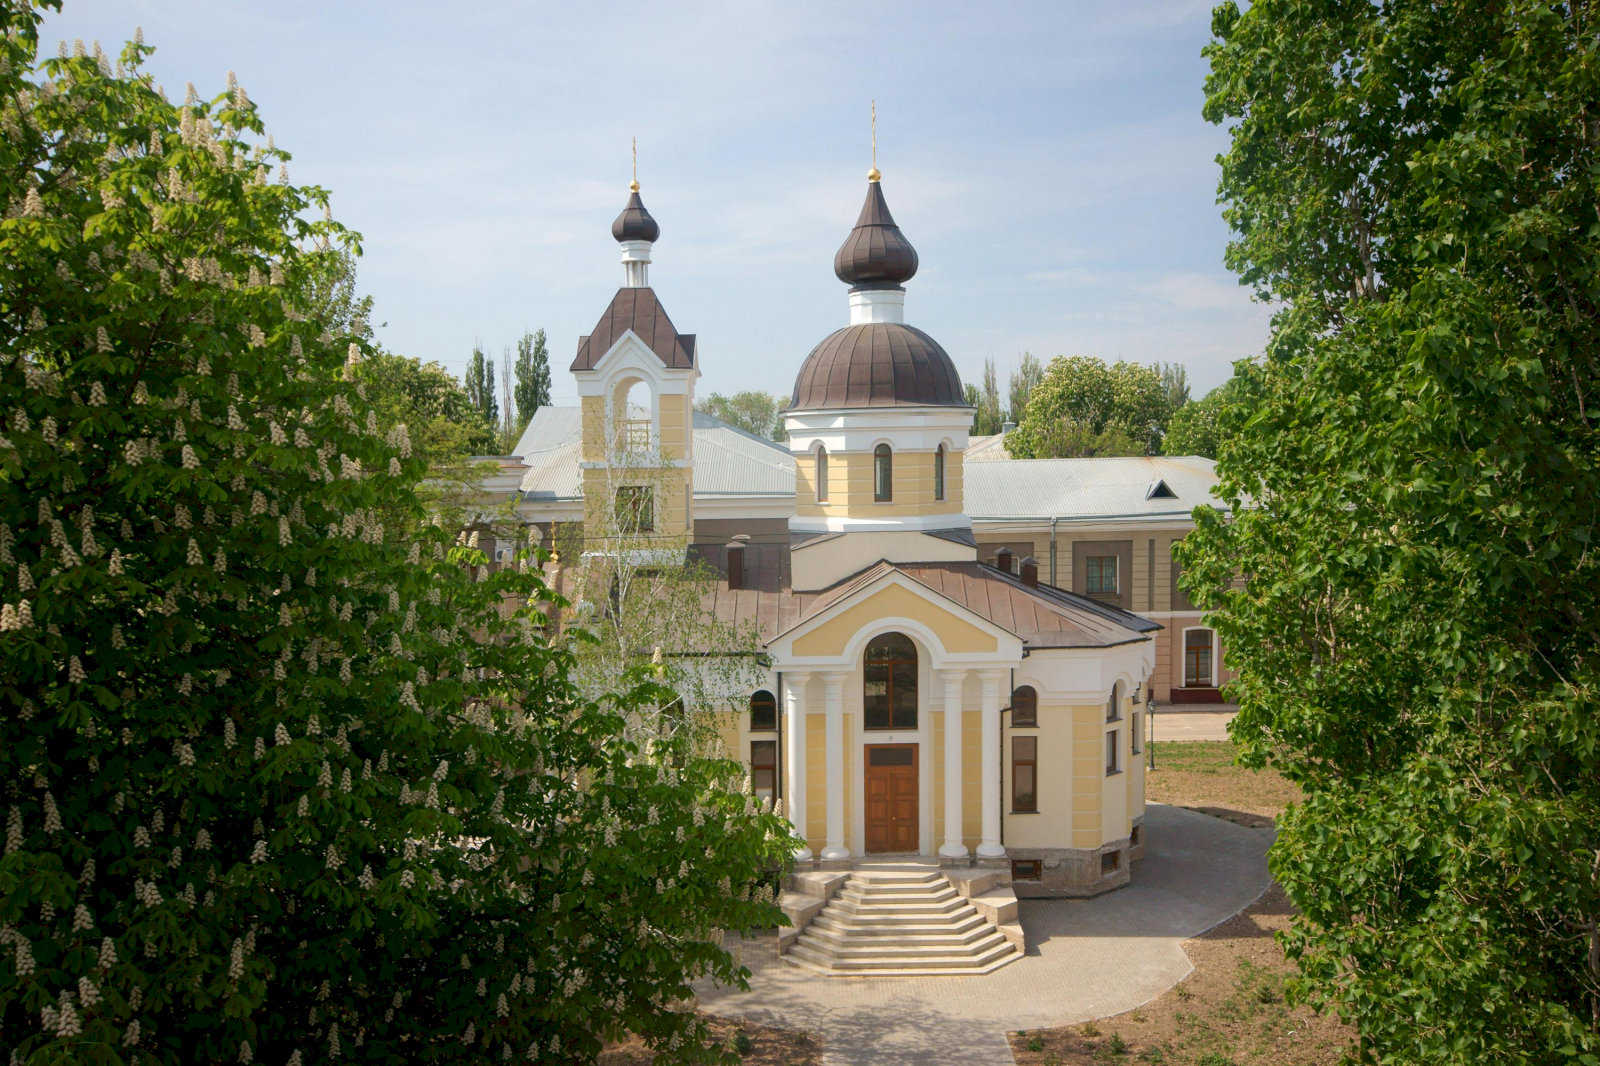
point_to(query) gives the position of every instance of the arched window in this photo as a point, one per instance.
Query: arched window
(1114, 704)
(938, 473)
(763, 712)
(1025, 706)
(822, 475)
(889, 689)
(882, 474)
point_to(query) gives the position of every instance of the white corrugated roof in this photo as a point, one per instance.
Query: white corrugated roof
(727, 460)
(730, 462)
(1086, 488)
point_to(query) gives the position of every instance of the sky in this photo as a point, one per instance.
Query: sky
(1047, 160)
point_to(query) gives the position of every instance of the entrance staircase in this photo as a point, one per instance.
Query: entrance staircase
(907, 920)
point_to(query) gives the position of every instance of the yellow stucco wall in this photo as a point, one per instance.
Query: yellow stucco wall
(1088, 774)
(850, 485)
(674, 426)
(816, 783)
(831, 637)
(673, 487)
(1051, 826)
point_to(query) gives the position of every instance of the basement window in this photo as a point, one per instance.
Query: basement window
(1133, 837)
(1025, 870)
(1110, 862)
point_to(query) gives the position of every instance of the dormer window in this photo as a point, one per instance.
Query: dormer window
(882, 474)
(1160, 490)
(938, 473)
(822, 475)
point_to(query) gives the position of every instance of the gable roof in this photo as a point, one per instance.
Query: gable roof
(637, 309)
(1042, 616)
(1087, 488)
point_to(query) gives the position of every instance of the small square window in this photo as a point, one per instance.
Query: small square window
(1110, 862)
(1025, 870)
(1133, 837)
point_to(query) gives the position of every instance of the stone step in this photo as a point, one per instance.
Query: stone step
(896, 877)
(932, 961)
(896, 894)
(948, 908)
(922, 936)
(906, 947)
(896, 924)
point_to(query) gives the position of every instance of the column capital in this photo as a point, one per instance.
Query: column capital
(994, 675)
(835, 679)
(797, 676)
(948, 674)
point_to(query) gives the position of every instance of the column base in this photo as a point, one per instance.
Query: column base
(803, 855)
(835, 853)
(991, 851)
(953, 853)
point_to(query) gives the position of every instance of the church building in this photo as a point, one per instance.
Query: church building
(962, 650)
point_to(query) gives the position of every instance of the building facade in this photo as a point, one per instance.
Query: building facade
(963, 649)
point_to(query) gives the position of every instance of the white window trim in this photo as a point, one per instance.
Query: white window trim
(1183, 652)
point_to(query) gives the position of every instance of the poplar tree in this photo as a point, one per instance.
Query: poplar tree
(1408, 585)
(533, 377)
(289, 772)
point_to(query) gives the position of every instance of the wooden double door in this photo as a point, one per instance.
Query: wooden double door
(891, 797)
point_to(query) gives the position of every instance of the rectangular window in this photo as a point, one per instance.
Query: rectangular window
(1197, 644)
(1110, 862)
(764, 768)
(1111, 752)
(636, 509)
(1024, 775)
(1025, 869)
(1101, 575)
(1135, 735)
(822, 475)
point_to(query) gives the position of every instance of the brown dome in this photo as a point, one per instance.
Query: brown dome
(876, 254)
(635, 223)
(877, 364)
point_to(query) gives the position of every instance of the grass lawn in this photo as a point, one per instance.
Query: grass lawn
(756, 1045)
(1230, 1011)
(1199, 774)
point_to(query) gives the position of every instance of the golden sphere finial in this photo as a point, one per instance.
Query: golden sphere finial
(873, 175)
(634, 185)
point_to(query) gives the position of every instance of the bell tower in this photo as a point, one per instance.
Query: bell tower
(636, 376)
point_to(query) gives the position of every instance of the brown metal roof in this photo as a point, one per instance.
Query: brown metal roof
(1042, 616)
(877, 364)
(876, 254)
(640, 311)
(635, 223)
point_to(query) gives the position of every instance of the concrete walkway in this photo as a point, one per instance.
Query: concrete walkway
(1086, 959)
(1191, 725)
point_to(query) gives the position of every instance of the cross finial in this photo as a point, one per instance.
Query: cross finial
(873, 175)
(634, 184)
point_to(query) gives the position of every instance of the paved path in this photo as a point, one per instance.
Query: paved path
(1086, 959)
(1192, 725)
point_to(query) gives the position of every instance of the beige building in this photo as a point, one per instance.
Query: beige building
(963, 648)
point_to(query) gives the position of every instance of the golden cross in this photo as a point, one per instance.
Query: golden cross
(635, 183)
(873, 175)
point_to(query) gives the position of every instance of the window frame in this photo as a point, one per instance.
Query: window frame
(938, 473)
(754, 728)
(867, 666)
(820, 472)
(765, 746)
(883, 474)
(1032, 763)
(1030, 720)
(641, 500)
(1094, 574)
(1211, 657)
(1027, 870)
(1135, 733)
(1113, 752)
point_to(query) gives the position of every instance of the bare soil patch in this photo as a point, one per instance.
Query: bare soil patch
(1229, 1012)
(1201, 775)
(768, 1046)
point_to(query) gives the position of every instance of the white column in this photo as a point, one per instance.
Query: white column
(794, 694)
(952, 848)
(992, 682)
(833, 705)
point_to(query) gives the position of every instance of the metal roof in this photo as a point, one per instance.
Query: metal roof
(1087, 488)
(637, 309)
(875, 253)
(877, 364)
(727, 460)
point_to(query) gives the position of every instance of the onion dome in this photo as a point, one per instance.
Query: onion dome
(876, 254)
(635, 223)
(877, 364)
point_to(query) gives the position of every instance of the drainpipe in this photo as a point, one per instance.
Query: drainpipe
(1053, 581)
